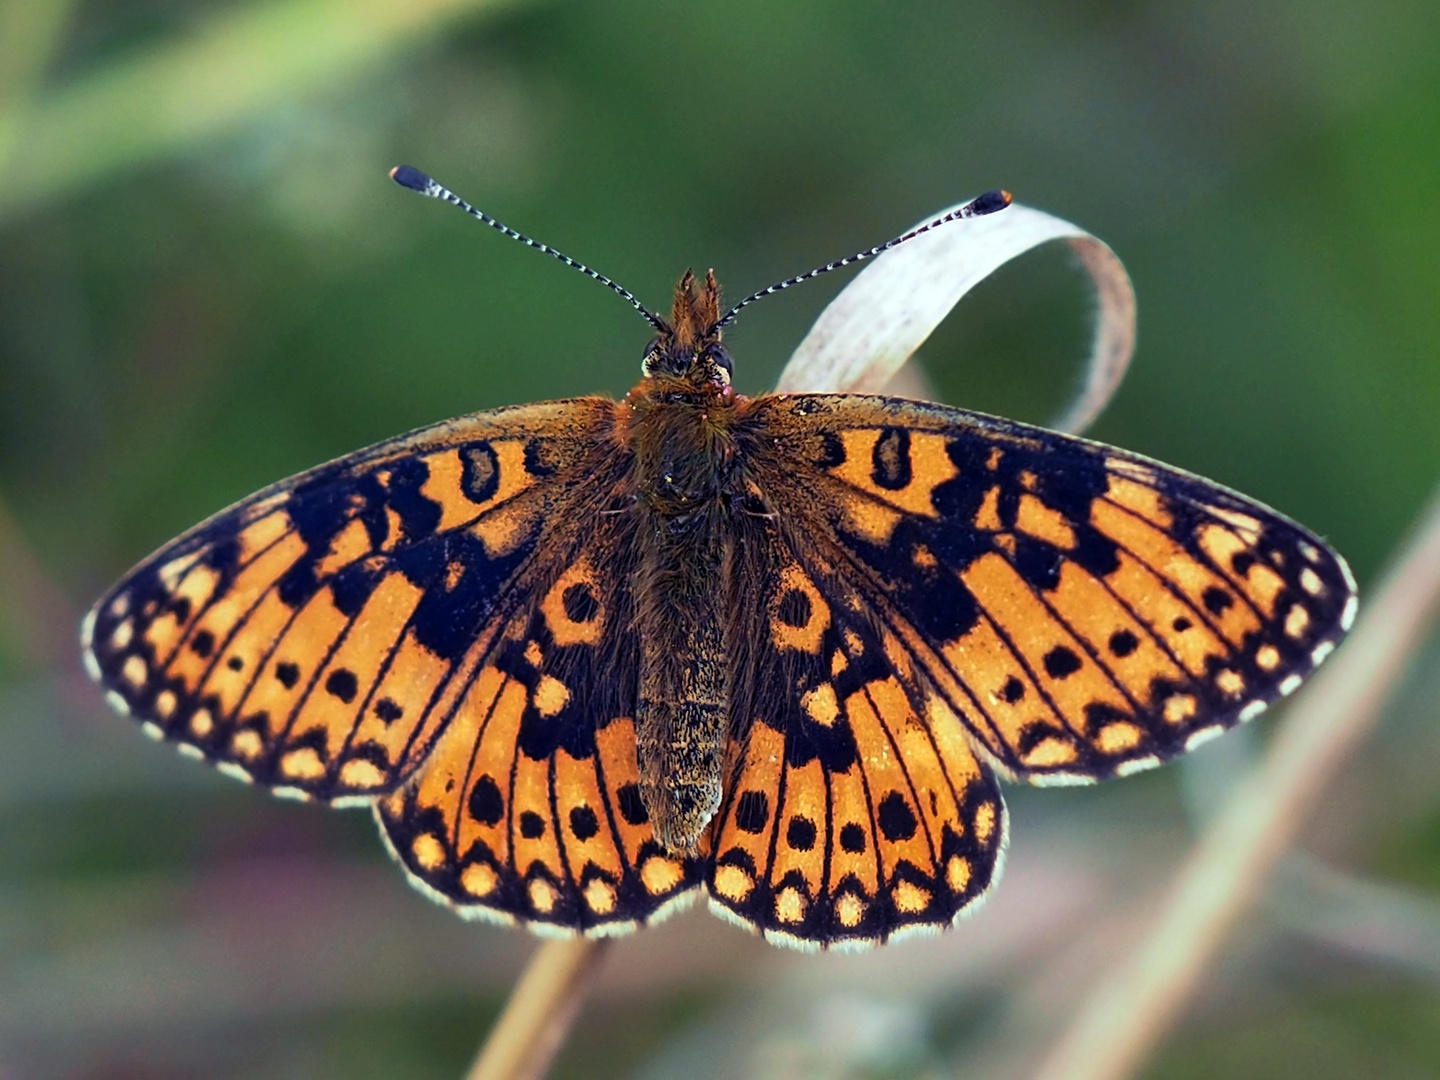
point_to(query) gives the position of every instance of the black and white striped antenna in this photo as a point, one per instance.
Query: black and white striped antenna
(987, 203)
(415, 180)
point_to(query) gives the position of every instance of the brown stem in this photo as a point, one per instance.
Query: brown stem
(540, 1011)
(1135, 1003)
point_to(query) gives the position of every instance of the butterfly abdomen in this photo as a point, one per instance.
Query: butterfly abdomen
(685, 480)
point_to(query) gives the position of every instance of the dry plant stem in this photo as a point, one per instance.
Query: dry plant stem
(540, 1011)
(1135, 1003)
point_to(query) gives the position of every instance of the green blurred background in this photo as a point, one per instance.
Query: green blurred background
(207, 282)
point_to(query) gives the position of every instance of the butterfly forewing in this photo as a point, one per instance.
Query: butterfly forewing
(317, 636)
(1084, 612)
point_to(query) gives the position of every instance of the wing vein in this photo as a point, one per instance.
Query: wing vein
(905, 772)
(464, 789)
(1084, 643)
(865, 578)
(216, 595)
(1169, 586)
(1201, 556)
(574, 887)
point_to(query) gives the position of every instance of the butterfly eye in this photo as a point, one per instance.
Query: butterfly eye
(651, 359)
(720, 357)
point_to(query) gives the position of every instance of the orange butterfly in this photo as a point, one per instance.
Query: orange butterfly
(587, 658)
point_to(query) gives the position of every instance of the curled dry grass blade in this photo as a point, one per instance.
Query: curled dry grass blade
(858, 345)
(235, 66)
(1136, 1002)
(867, 333)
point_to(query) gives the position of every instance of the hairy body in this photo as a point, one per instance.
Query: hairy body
(689, 483)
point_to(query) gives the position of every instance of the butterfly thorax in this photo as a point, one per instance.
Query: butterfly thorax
(687, 481)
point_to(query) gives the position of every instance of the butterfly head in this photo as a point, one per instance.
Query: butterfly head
(688, 346)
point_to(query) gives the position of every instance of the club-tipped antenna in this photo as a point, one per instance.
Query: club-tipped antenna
(979, 206)
(415, 180)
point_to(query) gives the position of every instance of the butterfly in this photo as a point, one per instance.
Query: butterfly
(589, 659)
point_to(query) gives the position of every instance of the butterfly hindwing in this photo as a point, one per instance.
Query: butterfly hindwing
(1085, 612)
(313, 637)
(528, 808)
(848, 818)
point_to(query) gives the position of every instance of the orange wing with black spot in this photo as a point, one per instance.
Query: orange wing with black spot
(320, 636)
(528, 809)
(1082, 611)
(849, 818)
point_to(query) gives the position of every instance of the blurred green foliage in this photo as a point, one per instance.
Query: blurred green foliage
(207, 282)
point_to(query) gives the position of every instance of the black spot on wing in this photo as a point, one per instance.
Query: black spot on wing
(1098, 714)
(938, 604)
(581, 605)
(1217, 601)
(800, 833)
(535, 463)
(486, 804)
(752, 811)
(454, 607)
(897, 821)
(1037, 562)
(958, 499)
(831, 452)
(352, 585)
(1061, 662)
(1093, 551)
(805, 740)
(1064, 476)
(572, 729)
(224, 554)
(583, 823)
(1069, 476)
(419, 515)
(794, 609)
(342, 684)
(479, 471)
(319, 507)
(890, 466)
(632, 807)
(943, 608)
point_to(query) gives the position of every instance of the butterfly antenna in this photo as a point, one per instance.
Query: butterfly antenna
(979, 206)
(415, 180)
